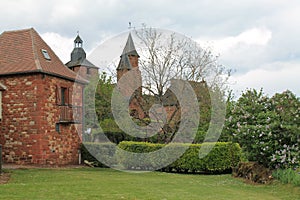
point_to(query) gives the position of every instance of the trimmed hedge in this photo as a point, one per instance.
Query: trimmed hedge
(222, 158)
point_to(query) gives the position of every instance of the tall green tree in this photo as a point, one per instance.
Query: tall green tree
(103, 97)
(98, 100)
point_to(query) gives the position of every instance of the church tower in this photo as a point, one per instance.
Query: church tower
(129, 60)
(79, 63)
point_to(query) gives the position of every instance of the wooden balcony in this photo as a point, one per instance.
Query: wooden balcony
(70, 114)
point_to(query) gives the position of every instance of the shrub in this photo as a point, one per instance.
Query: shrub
(221, 158)
(287, 176)
(253, 172)
(266, 128)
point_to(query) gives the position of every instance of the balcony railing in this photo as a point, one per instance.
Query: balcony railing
(70, 114)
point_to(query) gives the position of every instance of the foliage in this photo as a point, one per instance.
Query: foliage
(266, 128)
(103, 97)
(221, 158)
(287, 176)
(98, 100)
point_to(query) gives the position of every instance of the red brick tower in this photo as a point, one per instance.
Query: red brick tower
(129, 60)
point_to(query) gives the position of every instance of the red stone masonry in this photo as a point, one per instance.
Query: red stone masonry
(30, 114)
(38, 125)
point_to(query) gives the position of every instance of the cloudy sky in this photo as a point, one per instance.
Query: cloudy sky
(258, 39)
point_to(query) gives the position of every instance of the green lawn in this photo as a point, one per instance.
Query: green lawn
(88, 183)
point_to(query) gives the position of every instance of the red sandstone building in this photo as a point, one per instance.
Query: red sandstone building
(41, 101)
(129, 61)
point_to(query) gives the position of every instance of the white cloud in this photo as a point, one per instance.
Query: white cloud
(254, 36)
(248, 34)
(62, 46)
(285, 77)
(65, 11)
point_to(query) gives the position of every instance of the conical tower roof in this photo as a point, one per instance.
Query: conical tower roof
(129, 50)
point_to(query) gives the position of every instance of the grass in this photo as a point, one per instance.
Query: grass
(91, 183)
(287, 176)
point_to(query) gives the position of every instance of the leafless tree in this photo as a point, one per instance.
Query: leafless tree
(167, 56)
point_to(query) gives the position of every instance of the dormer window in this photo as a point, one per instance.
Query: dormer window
(45, 54)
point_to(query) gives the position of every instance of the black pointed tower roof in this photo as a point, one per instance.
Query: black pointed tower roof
(129, 50)
(78, 55)
(78, 40)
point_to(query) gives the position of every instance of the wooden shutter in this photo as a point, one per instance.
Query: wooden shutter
(70, 95)
(58, 95)
(0, 106)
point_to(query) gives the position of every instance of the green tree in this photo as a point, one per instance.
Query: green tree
(97, 96)
(266, 128)
(103, 97)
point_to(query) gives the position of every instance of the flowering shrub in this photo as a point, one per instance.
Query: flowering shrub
(266, 128)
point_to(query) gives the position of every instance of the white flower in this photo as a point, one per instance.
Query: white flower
(270, 134)
(273, 159)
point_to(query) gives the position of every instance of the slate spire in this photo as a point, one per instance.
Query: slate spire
(129, 50)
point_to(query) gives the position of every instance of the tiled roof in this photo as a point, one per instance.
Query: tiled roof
(21, 52)
(200, 89)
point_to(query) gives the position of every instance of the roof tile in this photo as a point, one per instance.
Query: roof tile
(21, 52)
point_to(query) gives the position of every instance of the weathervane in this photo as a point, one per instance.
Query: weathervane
(129, 26)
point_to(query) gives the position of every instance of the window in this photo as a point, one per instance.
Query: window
(88, 71)
(57, 127)
(45, 54)
(64, 96)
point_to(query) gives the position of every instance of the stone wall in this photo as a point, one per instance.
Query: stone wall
(31, 115)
